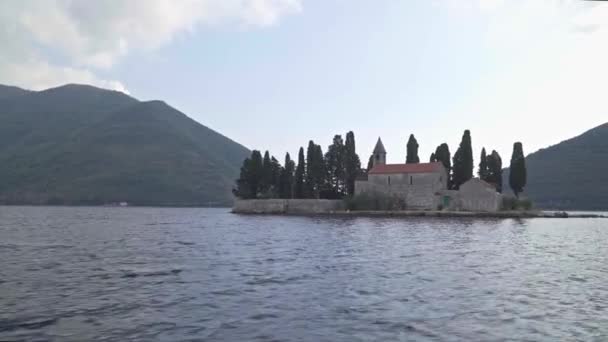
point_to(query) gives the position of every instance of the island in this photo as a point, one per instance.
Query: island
(336, 184)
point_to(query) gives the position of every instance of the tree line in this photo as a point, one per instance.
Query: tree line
(460, 167)
(332, 175)
(329, 175)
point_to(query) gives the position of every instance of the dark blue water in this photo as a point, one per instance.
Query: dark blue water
(117, 274)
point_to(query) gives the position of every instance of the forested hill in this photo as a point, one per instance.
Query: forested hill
(572, 174)
(79, 144)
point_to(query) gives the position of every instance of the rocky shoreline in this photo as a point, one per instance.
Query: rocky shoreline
(311, 207)
(436, 214)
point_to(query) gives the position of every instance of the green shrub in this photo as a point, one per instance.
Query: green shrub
(513, 203)
(525, 204)
(368, 201)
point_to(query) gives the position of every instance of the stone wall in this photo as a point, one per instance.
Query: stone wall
(287, 206)
(475, 195)
(419, 191)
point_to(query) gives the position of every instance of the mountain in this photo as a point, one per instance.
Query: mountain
(9, 91)
(572, 174)
(79, 144)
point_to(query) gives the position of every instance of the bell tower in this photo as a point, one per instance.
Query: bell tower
(379, 153)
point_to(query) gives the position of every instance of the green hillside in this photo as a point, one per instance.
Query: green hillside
(83, 145)
(572, 174)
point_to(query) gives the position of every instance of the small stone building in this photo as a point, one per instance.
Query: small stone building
(424, 186)
(474, 195)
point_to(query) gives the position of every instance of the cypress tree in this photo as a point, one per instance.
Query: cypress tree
(517, 170)
(320, 172)
(275, 177)
(243, 189)
(463, 161)
(335, 167)
(257, 172)
(286, 184)
(299, 186)
(443, 155)
(310, 169)
(249, 183)
(494, 170)
(267, 176)
(352, 163)
(483, 165)
(432, 159)
(412, 151)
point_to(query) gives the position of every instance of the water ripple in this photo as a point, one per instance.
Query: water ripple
(149, 274)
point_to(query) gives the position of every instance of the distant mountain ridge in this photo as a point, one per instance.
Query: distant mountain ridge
(10, 91)
(572, 174)
(77, 144)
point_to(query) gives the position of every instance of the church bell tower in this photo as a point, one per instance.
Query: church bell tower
(379, 153)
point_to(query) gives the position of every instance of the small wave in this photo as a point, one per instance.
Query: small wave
(265, 281)
(151, 274)
(165, 223)
(226, 292)
(279, 281)
(185, 243)
(363, 292)
(577, 279)
(410, 256)
(263, 316)
(29, 324)
(14, 246)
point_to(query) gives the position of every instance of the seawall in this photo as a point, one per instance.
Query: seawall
(306, 207)
(288, 206)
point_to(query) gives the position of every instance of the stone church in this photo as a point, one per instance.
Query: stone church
(424, 186)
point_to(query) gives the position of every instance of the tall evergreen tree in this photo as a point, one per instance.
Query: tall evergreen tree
(267, 176)
(335, 165)
(463, 161)
(412, 151)
(517, 170)
(315, 170)
(483, 165)
(370, 163)
(310, 170)
(243, 189)
(249, 182)
(299, 186)
(275, 177)
(352, 163)
(257, 172)
(432, 159)
(286, 184)
(320, 172)
(494, 170)
(443, 155)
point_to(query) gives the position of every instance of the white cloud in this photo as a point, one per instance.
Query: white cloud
(39, 75)
(93, 35)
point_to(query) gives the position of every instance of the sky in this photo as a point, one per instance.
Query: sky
(274, 74)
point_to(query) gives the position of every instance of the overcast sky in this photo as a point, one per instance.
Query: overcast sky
(272, 74)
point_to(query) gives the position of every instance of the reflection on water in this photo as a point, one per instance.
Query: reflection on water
(205, 274)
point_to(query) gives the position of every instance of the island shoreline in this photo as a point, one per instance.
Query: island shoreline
(430, 214)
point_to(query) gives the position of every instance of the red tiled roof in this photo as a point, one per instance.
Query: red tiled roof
(406, 168)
